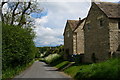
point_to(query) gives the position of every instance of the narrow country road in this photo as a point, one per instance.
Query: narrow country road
(41, 70)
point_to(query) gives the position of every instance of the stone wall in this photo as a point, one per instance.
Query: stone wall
(68, 42)
(96, 34)
(80, 39)
(75, 43)
(98, 40)
(114, 35)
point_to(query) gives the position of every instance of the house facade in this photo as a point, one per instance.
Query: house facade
(68, 37)
(78, 39)
(102, 32)
(73, 38)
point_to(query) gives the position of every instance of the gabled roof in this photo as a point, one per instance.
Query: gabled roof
(73, 23)
(80, 22)
(112, 10)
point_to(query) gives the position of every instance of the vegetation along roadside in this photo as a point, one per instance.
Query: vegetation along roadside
(79, 71)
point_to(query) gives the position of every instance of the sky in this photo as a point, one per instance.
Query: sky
(51, 22)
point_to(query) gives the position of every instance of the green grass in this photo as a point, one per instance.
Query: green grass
(10, 72)
(62, 65)
(41, 59)
(109, 69)
(104, 70)
(73, 70)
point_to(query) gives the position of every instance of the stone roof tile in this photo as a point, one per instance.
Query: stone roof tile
(112, 10)
(73, 23)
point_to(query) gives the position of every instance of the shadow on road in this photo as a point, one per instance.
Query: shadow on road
(42, 79)
(52, 70)
(46, 65)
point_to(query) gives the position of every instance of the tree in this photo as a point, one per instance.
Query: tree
(18, 13)
(18, 47)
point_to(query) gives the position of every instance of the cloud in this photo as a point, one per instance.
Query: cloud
(51, 26)
(60, 12)
(46, 36)
(49, 29)
(4, 8)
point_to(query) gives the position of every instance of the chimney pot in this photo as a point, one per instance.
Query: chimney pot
(79, 18)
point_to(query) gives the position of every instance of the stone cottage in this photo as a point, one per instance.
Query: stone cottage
(78, 38)
(73, 37)
(102, 31)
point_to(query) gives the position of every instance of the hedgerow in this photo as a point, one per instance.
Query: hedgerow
(52, 58)
(17, 46)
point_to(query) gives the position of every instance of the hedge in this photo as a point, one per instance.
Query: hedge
(18, 47)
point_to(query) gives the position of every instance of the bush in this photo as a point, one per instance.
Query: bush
(11, 72)
(77, 58)
(104, 70)
(17, 46)
(37, 55)
(50, 59)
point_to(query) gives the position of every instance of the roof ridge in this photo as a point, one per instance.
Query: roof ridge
(107, 2)
(72, 20)
(79, 23)
(110, 9)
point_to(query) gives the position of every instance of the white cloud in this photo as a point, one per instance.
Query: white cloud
(50, 27)
(39, 20)
(4, 8)
(46, 36)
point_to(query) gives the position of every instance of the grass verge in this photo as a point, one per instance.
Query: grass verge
(10, 72)
(62, 65)
(109, 69)
(104, 70)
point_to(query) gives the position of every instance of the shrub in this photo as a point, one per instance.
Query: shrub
(104, 70)
(11, 72)
(37, 55)
(52, 58)
(17, 46)
(48, 51)
(77, 58)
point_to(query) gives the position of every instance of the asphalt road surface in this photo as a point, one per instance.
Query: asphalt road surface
(41, 70)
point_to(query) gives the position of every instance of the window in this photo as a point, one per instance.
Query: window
(118, 48)
(118, 25)
(68, 34)
(94, 57)
(101, 23)
(88, 26)
(109, 54)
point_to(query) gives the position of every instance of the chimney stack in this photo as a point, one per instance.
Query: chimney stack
(79, 18)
